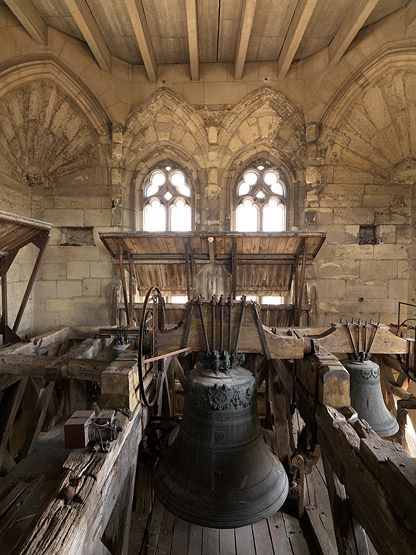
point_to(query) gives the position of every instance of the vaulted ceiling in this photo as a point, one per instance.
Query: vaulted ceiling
(153, 32)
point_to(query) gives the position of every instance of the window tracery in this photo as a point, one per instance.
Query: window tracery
(261, 200)
(167, 200)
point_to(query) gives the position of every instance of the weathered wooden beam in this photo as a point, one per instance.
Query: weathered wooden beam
(282, 345)
(246, 24)
(29, 17)
(38, 419)
(41, 240)
(89, 29)
(54, 368)
(141, 31)
(355, 19)
(33, 366)
(372, 469)
(10, 404)
(39, 344)
(325, 379)
(379, 339)
(321, 535)
(193, 45)
(349, 534)
(297, 28)
(78, 527)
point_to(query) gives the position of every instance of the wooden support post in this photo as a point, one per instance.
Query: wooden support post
(40, 241)
(179, 372)
(133, 317)
(350, 536)
(39, 415)
(234, 269)
(9, 407)
(188, 268)
(124, 287)
(301, 285)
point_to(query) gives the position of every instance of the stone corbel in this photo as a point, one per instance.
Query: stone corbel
(404, 173)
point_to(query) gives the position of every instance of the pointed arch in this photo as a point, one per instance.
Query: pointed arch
(51, 127)
(263, 114)
(164, 118)
(49, 67)
(368, 123)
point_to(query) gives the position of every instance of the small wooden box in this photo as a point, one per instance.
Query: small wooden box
(76, 429)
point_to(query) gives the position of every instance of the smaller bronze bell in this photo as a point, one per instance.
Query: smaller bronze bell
(367, 398)
(219, 471)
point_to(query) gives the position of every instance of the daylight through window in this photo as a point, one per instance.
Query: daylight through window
(261, 200)
(167, 200)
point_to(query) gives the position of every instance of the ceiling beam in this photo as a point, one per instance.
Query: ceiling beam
(141, 31)
(349, 28)
(90, 31)
(297, 28)
(246, 23)
(192, 24)
(28, 16)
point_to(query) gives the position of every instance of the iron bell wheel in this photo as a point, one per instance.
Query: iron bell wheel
(219, 472)
(367, 398)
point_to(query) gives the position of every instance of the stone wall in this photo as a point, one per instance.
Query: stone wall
(76, 144)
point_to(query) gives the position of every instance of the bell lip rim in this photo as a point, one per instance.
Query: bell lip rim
(276, 505)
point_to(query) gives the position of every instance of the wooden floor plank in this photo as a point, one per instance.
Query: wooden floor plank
(155, 525)
(210, 541)
(244, 540)
(320, 533)
(227, 541)
(262, 539)
(295, 534)
(166, 534)
(195, 540)
(321, 502)
(180, 537)
(280, 541)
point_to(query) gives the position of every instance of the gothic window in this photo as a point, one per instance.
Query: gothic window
(167, 200)
(261, 200)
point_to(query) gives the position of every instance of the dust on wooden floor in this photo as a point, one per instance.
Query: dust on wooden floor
(169, 535)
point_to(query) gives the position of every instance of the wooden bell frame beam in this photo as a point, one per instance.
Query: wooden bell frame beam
(10, 333)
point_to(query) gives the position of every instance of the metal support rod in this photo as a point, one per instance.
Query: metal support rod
(204, 329)
(221, 303)
(351, 338)
(240, 323)
(374, 336)
(365, 337)
(230, 315)
(213, 310)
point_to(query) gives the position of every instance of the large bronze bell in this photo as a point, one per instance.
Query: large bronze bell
(367, 398)
(219, 472)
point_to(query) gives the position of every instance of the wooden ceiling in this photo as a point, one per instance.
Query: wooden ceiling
(153, 32)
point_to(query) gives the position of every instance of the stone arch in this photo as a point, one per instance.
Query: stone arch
(18, 73)
(48, 132)
(164, 119)
(264, 150)
(264, 115)
(369, 123)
